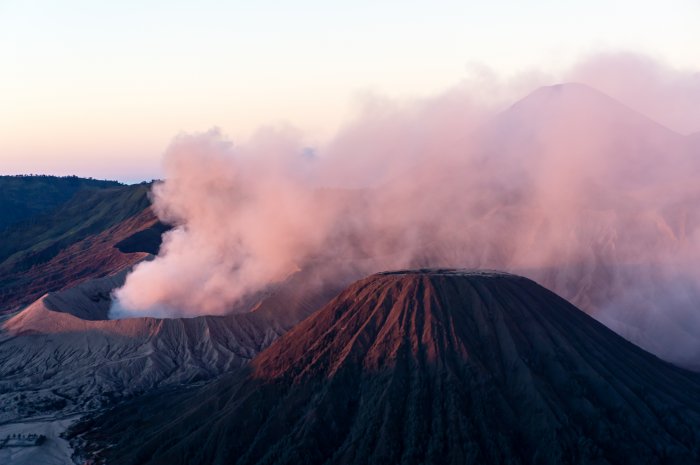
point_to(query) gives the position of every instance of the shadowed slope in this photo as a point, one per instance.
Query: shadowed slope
(26, 197)
(429, 366)
(72, 244)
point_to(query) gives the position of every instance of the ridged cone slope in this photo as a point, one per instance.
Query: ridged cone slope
(432, 366)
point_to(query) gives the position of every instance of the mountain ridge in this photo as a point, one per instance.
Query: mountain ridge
(23, 197)
(74, 242)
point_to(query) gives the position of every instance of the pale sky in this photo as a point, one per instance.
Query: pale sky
(99, 88)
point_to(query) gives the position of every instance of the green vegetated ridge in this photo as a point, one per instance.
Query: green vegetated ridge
(25, 197)
(50, 227)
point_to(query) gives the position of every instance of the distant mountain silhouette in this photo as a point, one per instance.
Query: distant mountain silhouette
(26, 197)
(587, 196)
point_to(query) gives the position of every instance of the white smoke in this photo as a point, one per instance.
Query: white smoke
(569, 186)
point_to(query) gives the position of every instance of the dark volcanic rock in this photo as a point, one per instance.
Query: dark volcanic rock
(426, 367)
(147, 240)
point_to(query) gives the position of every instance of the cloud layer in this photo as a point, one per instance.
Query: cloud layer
(570, 186)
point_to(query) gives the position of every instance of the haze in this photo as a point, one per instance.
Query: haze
(99, 89)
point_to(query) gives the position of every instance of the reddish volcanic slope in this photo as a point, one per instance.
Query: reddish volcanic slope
(425, 367)
(79, 241)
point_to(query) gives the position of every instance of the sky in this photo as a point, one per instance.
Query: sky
(100, 88)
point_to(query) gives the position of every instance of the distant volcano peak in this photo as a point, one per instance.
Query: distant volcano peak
(580, 104)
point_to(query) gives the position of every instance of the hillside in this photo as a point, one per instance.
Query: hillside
(74, 242)
(62, 355)
(424, 367)
(26, 197)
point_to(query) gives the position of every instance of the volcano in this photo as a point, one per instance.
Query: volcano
(424, 367)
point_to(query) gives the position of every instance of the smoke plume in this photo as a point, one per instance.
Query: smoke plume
(593, 194)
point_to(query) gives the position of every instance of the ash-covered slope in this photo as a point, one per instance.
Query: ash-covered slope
(62, 355)
(426, 367)
(58, 357)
